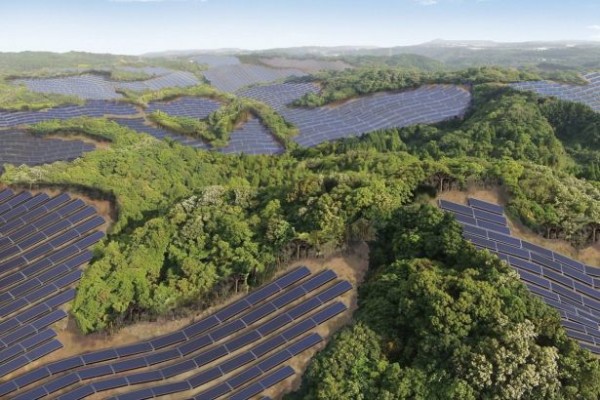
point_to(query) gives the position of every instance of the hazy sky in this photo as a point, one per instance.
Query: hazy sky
(138, 26)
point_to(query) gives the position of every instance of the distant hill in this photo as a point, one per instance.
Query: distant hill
(569, 54)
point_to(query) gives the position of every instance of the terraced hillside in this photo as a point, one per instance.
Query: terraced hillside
(95, 87)
(426, 105)
(238, 351)
(567, 285)
(20, 148)
(92, 108)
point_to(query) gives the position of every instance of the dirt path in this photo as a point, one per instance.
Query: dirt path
(589, 255)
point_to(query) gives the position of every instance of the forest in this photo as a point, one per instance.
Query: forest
(436, 318)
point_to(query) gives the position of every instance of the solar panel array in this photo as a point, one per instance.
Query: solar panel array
(22, 148)
(238, 351)
(92, 108)
(139, 125)
(587, 94)
(215, 60)
(43, 243)
(172, 79)
(193, 107)
(231, 78)
(252, 138)
(97, 87)
(427, 104)
(567, 285)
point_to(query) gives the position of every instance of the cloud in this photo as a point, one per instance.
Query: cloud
(427, 2)
(594, 27)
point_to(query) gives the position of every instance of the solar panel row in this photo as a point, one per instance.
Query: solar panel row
(230, 78)
(151, 346)
(428, 104)
(95, 87)
(219, 336)
(43, 242)
(92, 108)
(563, 283)
(220, 332)
(587, 94)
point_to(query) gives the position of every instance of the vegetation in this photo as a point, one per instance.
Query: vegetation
(19, 98)
(218, 126)
(142, 99)
(343, 85)
(440, 320)
(436, 318)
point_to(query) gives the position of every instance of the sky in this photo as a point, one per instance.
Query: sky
(140, 26)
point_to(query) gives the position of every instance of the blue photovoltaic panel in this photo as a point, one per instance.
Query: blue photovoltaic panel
(584, 94)
(303, 308)
(292, 277)
(336, 290)
(329, 312)
(319, 280)
(486, 206)
(565, 284)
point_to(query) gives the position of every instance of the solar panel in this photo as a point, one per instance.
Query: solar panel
(274, 324)
(144, 377)
(214, 393)
(258, 313)
(168, 340)
(336, 290)
(242, 341)
(227, 329)
(95, 372)
(298, 329)
(301, 309)
(230, 365)
(456, 208)
(211, 355)
(65, 365)
(127, 365)
(140, 394)
(61, 383)
(195, 344)
(242, 378)
(178, 368)
(134, 349)
(262, 293)
(319, 280)
(232, 310)
(78, 394)
(292, 277)
(162, 356)
(108, 384)
(486, 206)
(268, 345)
(329, 312)
(289, 297)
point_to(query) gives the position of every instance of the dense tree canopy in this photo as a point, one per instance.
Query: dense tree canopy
(440, 320)
(436, 318)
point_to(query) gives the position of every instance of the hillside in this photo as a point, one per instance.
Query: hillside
(239, 195)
